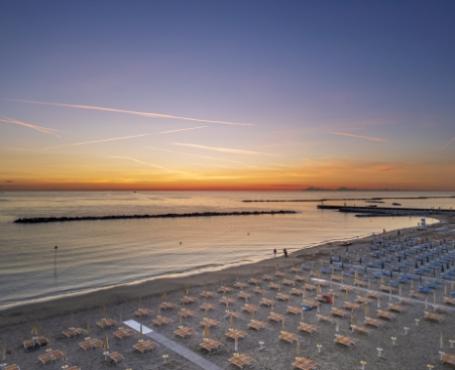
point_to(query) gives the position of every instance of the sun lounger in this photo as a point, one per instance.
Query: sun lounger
(207, 294)
(50, 355)
(344, 340)
(362, 300)
(250, 308)
(241, 360)
(106, 323)
(432, 316)
(224, 290)
(304, 363)
(206, 307)
(210, 345)
(209, 323)
(288, 282)
(266, 302)
(275, 317)
(186, 313)
(240, 285)
(374, 323)
(307, 328)
(184, 332)
(258, 291)
(280, 274)
(396, 307)
(274, 286)
(187, 299)
(233, 334)
(361, 329)
(373, 295)
(294, 310)
(123, 333)
(351, 306)
(90, 343)
(282, 297)
(385, 315)
(72, 332)
(160, 320)
(244, 295)
(339, 312)
(311, 303)
(337, 278)
(309, 287)
(254, 281)
(324, 318)
(115, 357)
(11, 367)
(299, 278)
(296, 292)
(35, 343)
(142, 312)
(256, 325)
(288, 337)
(448, 359)
(143, 346)
(346, 289)
(166, 306)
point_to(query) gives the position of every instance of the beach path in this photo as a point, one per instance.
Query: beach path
(173, 346)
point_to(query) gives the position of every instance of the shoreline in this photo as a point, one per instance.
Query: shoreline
(119, 294)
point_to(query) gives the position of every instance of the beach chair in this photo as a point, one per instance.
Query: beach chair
(123, 333)
(324, 318)
(11, 367)
(296, 292)
(209, 323)
(167, 306)
(206, 307)
(362, 300)
(309, 287)
(294, 310)
(344, 340)
(275, 317)
(143, 346)
(266, 302)
(114, 357)
(224, 290)
(339, 312)
(142, 312)
(360, 329)
(307, 328)
(210, 345)
(50, 355)
(449, 300)
(256, 325)
(235, 334)
(372, 294)
(299, 278)
(337, 278)
(386, 315)
(186, 313)
(35, 343)
(183, 332)
(73, 332)
(304, 363)
(288, 337)
(396, 307)
(310, 303)
(244, 295)
(250, 308)
(448, 359)
(106, 323)
(90, 343)
(282, 297)
(371, 322)
(160, 320)
(433, 316)
(207, 294)
(241, 360)
(240, 285)
(187, 299)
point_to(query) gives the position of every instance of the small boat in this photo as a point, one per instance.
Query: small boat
(396, 204)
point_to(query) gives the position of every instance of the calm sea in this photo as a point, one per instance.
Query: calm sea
(97, 254)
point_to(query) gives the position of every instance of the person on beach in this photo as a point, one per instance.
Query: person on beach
(274, 252)
(285, 252)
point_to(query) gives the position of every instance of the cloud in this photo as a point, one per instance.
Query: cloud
(374, 139)
(219, 149)
(33, 126)
(132, 112)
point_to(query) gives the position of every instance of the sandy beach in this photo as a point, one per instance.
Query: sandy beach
(405, 342)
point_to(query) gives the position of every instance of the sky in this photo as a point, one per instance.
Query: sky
(227, 95)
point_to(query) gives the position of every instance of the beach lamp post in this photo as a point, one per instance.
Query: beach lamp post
(380, 350)
(319, 347)
(363, 364)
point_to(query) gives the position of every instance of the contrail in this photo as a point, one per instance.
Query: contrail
(132, 112)
(355, 136)
(181, 130)
(33, 126)
(219, 149)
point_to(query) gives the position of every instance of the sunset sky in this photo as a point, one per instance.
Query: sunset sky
(227, 94)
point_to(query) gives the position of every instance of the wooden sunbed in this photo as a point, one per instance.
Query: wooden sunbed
(344, 340)
(361, 329)
(448, 359)
(256, 325)
(73, 332)
(288, 337)
(123, 333)
(143, 346)
(210, 345)
(432, 316)
(241, 360)
(307, 328)
(309, 287)
(207, 294)
(51, 355)
(187, 299)
(324, 318)
(267, 278)
(310, 302)
(35, 343)
(362, 300)
(304, 363)
(184, 332)
(296, 292)
(351, 306)
(106, 323)
(396, 307)
(166, 306)
(160, 320)
(209, 323)
(374, 323)
(275, 317)
(90, 343)
(250, 308)
(339, 312)
(233, 334)
(282, 297)
(385, 315)
(266, 302)
(115, 357)
(142, 312)
(186, 313)
(294, 310)
(206, 307)
(372, 294)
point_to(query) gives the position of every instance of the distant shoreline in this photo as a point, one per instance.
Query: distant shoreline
(40, 220)
(344, 199)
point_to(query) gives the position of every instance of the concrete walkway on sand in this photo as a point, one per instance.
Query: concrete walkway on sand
(191, 356)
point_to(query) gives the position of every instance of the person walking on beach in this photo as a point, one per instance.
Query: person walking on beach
(274, 252)
(285, 252)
